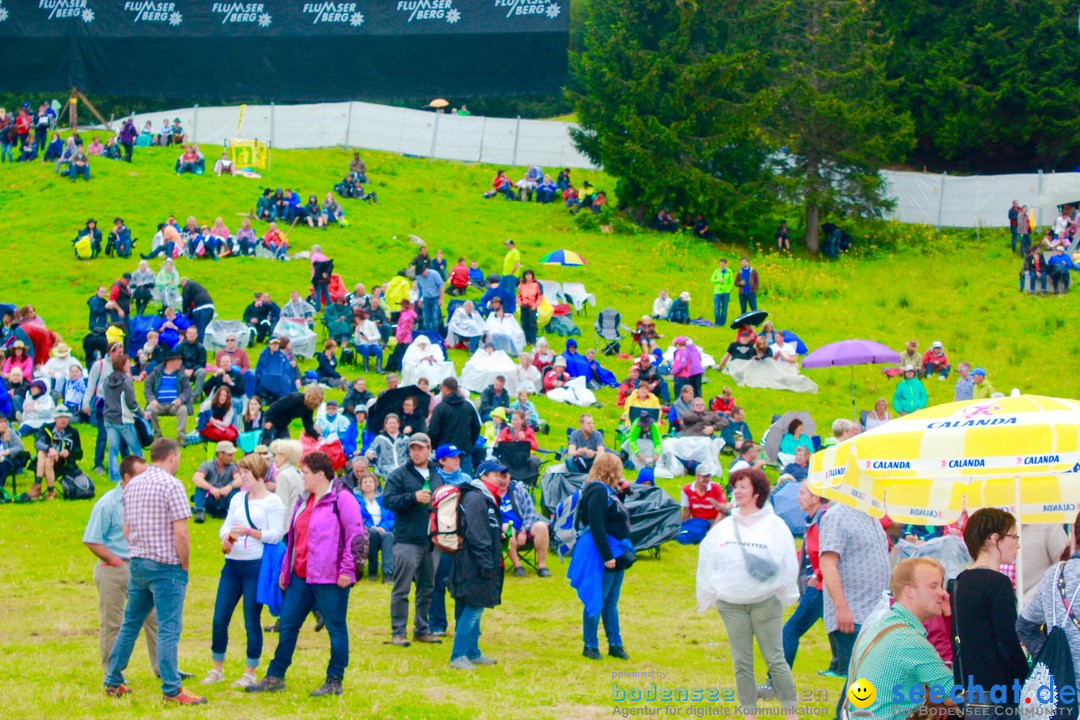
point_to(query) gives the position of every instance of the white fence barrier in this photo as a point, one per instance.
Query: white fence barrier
(922, 198)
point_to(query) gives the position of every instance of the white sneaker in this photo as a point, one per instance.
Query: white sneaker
(941, 378)
(213, 677)
(245, 680)
(462, 663)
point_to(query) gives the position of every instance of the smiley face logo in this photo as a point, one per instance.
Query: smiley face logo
(862, 693)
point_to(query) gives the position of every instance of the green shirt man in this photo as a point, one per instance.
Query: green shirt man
(723, 281)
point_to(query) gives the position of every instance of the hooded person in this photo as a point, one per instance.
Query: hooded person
(597, 373)
(576, 364)
(423, 359)
(466, 325)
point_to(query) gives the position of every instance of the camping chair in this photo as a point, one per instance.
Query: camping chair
(218, 329)
(609, 328)
(552, 290)
(863, 414)
(516, 456)
(577, 295)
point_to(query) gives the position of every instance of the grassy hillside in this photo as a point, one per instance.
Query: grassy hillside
(905, 283)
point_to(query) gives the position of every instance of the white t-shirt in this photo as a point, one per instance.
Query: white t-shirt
(374, 510)
(267, 514)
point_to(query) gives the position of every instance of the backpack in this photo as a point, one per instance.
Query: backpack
(360, 543)
(567, 525)
(1053, 667)
(443, 529)
(77, 486)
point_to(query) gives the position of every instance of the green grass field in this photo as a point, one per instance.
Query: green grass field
(918, 283)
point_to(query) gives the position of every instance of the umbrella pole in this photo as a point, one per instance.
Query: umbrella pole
(854, 410)
(1019, 561)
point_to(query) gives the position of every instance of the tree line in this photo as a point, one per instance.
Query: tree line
(725, 106)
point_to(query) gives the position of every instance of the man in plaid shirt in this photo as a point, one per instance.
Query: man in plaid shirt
(156, 512)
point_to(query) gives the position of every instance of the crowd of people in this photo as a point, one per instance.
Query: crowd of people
(1053, 257)
(348, 496)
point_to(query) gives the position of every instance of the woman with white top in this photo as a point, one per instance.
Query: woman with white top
(748, 570)
(879, 415)
(256, 518)
(289, 484)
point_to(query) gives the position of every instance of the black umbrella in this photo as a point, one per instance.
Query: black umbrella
(391, 402)
(754, 317)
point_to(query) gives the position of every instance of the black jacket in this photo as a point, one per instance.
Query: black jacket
(354, 398)
(476, 574)
(67, 439)
(268, 311)
(411, 519)
(193, 354)
(489, 399)
(454, 422)
(192, 296)
(603, 517)
(99, 314)
(291, 407)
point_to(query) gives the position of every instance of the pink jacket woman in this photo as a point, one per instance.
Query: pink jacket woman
(334, 526)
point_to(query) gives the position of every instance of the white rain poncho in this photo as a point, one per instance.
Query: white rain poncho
(722, 572)
(770, 374)
(573, 393)
(505, 333)
(463, 326)
(424, 360)
(482, 369)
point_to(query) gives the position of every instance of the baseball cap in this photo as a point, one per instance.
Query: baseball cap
(331, 402)
(173, 355)
(447, 451)
(61, 411)
(978, 371)
(936, 344)
(490, 466)
(225, 447)
(560, 360)
(645, 419)
(419, 439)
(261, 450)
(274, 340)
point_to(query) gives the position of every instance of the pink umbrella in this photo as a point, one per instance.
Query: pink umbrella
(850, 353)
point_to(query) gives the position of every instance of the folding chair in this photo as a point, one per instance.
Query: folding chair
(552, 291)
(577, 295)
(518, 458)
(609, 329)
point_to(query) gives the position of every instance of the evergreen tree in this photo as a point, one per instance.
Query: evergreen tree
(833, 118)
(666, 98)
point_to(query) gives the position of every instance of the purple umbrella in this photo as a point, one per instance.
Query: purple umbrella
(850, 353)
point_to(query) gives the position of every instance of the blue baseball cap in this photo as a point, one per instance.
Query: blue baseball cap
(978, 371)
(490, 466)
(446, 451)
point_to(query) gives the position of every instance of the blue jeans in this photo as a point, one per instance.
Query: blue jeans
(437, 610)
(367, 351)
(720, 306)
(747, 301)
(467, 632)
(380, 543)
(843, 644)
(474, 343)
(117, 432)
(810, 609)
(509, 283)
(332, 603)
(612, 587)
(928, 370)
(217, 507)
(97, 419)
(1031, 274)
(432, 313)
(693, 531)
(153, 586)
(202, 318)
(322, 290)
(239, 579)
(75, 171)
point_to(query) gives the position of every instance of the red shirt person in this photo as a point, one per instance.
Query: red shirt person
(703, 505)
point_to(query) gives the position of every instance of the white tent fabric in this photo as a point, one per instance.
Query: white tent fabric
(578, 295)
(482, 368)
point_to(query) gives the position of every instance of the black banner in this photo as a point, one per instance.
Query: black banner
(285, 50)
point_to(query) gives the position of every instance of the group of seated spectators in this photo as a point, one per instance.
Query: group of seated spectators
(536, 185)
(694, 223)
